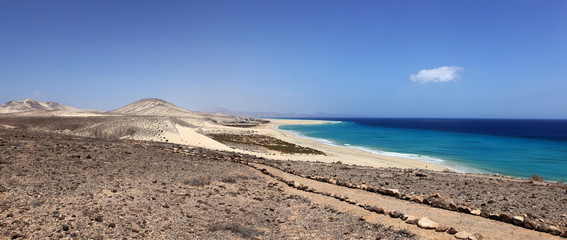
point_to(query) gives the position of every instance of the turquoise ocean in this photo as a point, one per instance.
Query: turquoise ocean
(517, 148)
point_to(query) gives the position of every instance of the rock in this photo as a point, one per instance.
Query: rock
(395, 214)
(379, 210)
(452, 231)
(363, 187)
(529, 224)
(404, 217)
(504, 217)
(332, 181)
(484, 213)
(554, 230)
(464, 209)
(191, 230)
(476, 212)
(420, 174)
(98, 218)
(111, 225)
(517, 220)
(439, 203)
(136, 230)
(478, 236)
(65, 228)
(564, 234)
(453, 207)
(426, 223)
(542, 227)
(441, 229)
(493, 216)
(411, 219)
(393, 192)
(462, 235)
(417, 199)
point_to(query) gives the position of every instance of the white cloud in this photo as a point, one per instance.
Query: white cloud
(437, 75)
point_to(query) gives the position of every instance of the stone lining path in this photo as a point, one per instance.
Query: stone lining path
(489, 229)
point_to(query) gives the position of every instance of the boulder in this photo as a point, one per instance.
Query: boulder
(426, 223)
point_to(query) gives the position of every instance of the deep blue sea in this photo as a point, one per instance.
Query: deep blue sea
(507, 147)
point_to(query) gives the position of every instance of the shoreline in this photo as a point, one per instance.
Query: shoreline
(340, 153)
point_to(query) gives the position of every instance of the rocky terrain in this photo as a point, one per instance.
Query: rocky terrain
(540, 205)
(59, 186)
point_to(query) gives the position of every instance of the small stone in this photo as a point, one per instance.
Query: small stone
(439, 203)
(493, 216)
(462, 235)
(412, 219)
(464, 209)
(529, 224)
(504, 217)
(191, 230)
(417, 199)
(111, 225)
(518, 221)
(441, 229)
(420, 174)
(426, 223)
(554, 230)
(453, 207)
(393, 192)
(395, 214)
(136, 230)
(564, 234)
(542, 227)
(476, 212)
(98, 218)
(478, 236)
(452, 230)
(65, 228)
(379, 210)
(280, 220)
(404, 217)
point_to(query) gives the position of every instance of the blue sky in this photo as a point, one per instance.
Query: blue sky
(495, 59)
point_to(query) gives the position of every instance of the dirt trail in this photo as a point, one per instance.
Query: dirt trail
(489, 229)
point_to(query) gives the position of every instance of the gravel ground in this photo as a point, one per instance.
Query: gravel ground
(57, 186)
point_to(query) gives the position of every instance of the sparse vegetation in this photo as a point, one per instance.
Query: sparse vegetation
(266, 142)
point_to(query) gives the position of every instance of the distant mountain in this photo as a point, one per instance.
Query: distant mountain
(153, 107)
(29, 105)
(279, 115)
